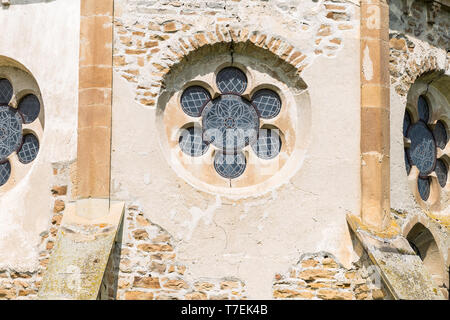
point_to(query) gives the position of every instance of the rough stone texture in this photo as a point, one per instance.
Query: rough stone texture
(147, 269)
(152, 36)
(320, 276)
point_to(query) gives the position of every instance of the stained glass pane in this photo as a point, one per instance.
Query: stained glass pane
(407, 164)
(424, 188)
(440, 134)
(268, 103)
(29, 107)
(5, 172)
(29, 149)
(406, 122)
(193, 99)
(10, 131)
(6, 91)
(422, 151)
(230, 166)
(230, 122)
(441, 172)
(191, 142)
(231, 80)
(424, 110)
(268, 145)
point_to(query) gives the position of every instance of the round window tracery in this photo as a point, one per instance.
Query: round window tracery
(424, 148)
(14, 120)
(230, 123)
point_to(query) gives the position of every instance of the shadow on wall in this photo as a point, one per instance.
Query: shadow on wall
(425, 246)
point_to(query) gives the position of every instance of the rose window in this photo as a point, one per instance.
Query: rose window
(425, 145)
(16, 126)
(229, 122)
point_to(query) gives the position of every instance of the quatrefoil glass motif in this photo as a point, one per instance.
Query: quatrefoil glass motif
(230, 122)
(12, 121)
(421, 150)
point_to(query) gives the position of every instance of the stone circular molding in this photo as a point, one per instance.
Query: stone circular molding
(21, 123)
(426, 143)
(233, 128)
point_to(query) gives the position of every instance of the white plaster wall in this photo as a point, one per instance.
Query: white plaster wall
(253, 238)
(43, 36)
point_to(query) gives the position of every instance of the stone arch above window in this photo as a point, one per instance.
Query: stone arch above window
(21, 122)
(426, 134)
(234, 123)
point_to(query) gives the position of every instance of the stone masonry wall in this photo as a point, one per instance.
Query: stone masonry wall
(321, 276)
(18, 284)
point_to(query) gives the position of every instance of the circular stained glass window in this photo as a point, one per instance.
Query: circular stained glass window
(230, 166)
(29, 149)
(193, 100)
(440, 134)
(29, 107)
(5, 172)
(267, 103)
(268, 144)
(422, 151)
(230, 122)
(192, 143)
(10, 131)
(6, 91)
(231, 80)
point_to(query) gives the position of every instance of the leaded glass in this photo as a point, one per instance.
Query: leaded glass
(5, 172)
(424, 110)
(407, 164)
(230, 166)
(191, 142)
(29, 107)
(406, 122)
(29, 149)
(267, 102)
(6, 91)
(422, 151)
(423, 185)
(441, 172)
(268, 144)
(230, 122)
(10, 131)
(231, 80)
(440, 134)
(193, 99)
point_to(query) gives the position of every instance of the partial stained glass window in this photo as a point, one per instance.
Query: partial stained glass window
(441, 172)
(191, 142)
(230, 166)
(406, 122)
(267, 102)
(422, 151)
(10, 131)
(29, 107)
(231, 80)
(5, 172)
(424, 109)
(440, 134)
(6, 91)
(268, 145)
(29, 149)
(423, 185)
(407, 164)
(193, 99)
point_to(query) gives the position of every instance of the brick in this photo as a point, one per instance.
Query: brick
(59, 190)
(146, 282)
(138, 295)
